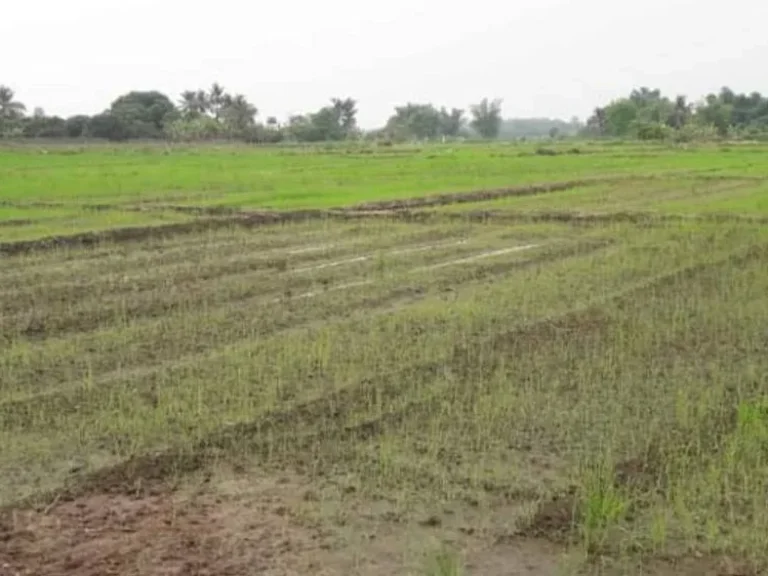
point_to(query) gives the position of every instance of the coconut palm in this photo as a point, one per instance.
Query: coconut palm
(238, 112)
(193, 103)
(10, 109)
(218, 99)
(681, 113)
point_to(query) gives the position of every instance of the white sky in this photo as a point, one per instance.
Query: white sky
(543, 57)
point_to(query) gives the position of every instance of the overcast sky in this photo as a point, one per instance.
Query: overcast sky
(543, 57)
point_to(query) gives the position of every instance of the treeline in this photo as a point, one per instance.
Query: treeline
(215, 114)
(648, 115)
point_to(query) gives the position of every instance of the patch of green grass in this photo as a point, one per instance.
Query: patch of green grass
(445, 562)
(273, 178)
(18, 224)
(671, 195)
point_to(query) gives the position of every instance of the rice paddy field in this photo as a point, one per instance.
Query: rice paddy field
(433, 360)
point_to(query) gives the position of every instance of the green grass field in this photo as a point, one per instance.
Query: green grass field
(565, 381)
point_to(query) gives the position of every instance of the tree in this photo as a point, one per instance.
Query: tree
(681, 114)
(10, 109)
(451, 122)
(715, 113)
(238, 114)
(346, 109)
(217, 99)
(486, 118)
(331, 123)
(620, 116)
(420, 121)
(325, 125)
(11, 112)
(107, 125)
(41, 126)
(77, 126)
(193, 103)
(144, 114)
(597, 123)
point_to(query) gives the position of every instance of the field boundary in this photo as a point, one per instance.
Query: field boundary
(256, 219)
(408, 209)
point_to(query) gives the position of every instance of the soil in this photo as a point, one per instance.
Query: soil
(554, 519)
(241, 526)
(157, 535)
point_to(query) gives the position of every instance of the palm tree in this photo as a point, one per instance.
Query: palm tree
(10, 109)
(598, 122)
(238, 112)
(193, 104)
(681, 112)
(218, 99)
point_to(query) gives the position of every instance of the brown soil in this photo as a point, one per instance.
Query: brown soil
(591, 218)
(269, 525)
(554, 519)
(140, 233)
(637, 473)
(478, 195)
(238, 527)
(702, 566)
(161, 535)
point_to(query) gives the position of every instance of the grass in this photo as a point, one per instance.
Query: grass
(672, 195)
(53, 191)
(600, 384)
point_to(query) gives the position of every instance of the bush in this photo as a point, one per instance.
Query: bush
(652, 131)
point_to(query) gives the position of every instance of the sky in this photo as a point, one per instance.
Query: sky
(555, 58)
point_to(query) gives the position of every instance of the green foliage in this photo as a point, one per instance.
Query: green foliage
(424, 122)
(10, 109)
(751, 436)
(77, 126)
(11, 112)
(451, 123)
(109, 127)
(331, 123)
(486, 118)
(40, 126)
(644, 114)
(718, 115)
(695, 132)
(143, 114)
(602, 505)
(651, 130)
(195, 129)
(416, 121)
(446, 562)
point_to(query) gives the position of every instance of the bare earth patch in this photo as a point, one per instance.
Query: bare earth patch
(243, 525)
(162, 534)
